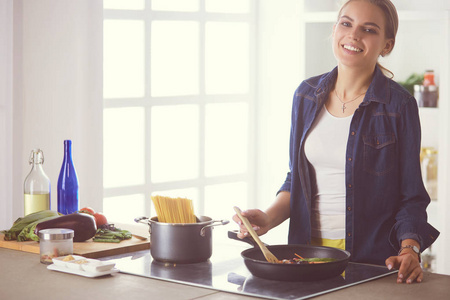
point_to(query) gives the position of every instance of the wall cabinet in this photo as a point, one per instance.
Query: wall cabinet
(423, 43)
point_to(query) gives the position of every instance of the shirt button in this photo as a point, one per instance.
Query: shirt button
(349, 159)
(349, 208)
(349, 234)
(350, 186)
(353, 133)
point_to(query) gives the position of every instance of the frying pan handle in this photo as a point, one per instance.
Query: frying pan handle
(232, 234)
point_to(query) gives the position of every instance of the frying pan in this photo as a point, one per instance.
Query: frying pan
(258, 266)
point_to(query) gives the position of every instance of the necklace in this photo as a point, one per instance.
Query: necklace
(343, 103)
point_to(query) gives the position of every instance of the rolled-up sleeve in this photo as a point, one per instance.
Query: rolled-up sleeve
(411, 218)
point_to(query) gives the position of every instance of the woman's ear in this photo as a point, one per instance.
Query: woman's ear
(388, 47)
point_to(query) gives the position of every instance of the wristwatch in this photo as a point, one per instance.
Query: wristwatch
(414, 248)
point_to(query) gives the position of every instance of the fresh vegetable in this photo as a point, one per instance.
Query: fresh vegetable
(83, 225)
(87, 210)
(100, 219)
(21, 223)
(111, 235)
(27, 234)
(300, 260)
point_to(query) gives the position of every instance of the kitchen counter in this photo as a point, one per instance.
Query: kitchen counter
(24, 277)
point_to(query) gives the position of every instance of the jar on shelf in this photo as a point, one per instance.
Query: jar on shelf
(430, 171)
(428, 78)
(428, 260)
(427, 94)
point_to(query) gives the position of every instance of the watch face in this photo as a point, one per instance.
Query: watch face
(416, 249)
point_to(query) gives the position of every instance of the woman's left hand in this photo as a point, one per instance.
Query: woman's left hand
(408, 266)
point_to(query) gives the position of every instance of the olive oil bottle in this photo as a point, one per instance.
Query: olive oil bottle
(37, 185)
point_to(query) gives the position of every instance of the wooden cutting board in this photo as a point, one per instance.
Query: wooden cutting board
(88, 248)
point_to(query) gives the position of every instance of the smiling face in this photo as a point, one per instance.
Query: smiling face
(359, 35)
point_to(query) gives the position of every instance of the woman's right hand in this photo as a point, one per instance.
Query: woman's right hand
(260, 222)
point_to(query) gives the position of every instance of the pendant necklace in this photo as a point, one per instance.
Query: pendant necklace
(343, 103)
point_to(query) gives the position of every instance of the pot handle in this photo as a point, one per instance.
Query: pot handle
(222, 222)
(143, 220)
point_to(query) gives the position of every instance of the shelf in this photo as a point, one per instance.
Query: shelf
(422, 15)
(320, 17)
(429, 120)
(331, 16)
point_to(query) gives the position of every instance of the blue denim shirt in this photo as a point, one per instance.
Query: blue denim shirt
(386, 199)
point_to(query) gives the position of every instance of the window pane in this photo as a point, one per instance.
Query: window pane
(175, 5)
(123, 209)
(123, 146)
(123, 59)
(121, 4)
(220, 199)
(227, 58)
(174, 58)
(226, 133)
(174, 142)
(228, 6)
(189, 193)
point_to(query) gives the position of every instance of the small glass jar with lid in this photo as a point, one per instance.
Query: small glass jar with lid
(430, 171)
(55, 242)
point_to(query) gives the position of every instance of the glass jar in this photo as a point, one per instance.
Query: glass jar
(55, 242)
(426, 96)
(428, 78)
(36, 187)
(430, 171)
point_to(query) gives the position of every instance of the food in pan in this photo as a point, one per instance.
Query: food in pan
(307, 261)
(174, 210)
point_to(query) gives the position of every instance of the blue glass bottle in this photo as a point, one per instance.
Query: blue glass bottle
(68, 201)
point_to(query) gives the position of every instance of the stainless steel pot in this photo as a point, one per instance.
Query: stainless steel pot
(181, 243)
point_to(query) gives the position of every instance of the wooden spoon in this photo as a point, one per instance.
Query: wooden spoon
(270, 257)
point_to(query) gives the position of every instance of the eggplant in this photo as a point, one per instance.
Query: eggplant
(83, 225)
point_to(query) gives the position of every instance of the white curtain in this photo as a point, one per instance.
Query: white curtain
(55, 94)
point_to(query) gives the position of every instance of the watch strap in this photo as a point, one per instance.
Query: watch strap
(413, 248)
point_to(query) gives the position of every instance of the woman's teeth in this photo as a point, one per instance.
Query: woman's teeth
(351, 48)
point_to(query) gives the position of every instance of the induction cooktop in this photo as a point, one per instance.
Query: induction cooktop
(225, 271)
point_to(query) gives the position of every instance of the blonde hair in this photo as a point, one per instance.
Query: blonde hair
(391, 23)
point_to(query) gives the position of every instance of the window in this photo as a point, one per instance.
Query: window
(179, 101)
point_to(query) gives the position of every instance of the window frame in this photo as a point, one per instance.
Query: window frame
(148, 102)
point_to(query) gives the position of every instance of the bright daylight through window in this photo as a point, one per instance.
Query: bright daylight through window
(178, 104)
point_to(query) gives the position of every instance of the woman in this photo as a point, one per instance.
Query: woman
(354, 180)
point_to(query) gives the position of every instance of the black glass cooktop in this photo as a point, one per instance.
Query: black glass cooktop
(225, 271)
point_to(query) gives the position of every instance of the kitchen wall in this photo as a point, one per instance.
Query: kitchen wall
(57, 94)
(5, 111)
(279, 75)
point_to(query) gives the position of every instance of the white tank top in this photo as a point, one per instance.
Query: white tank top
(325, 148)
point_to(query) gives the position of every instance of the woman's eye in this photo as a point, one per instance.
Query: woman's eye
(370, 30)
(346, 24)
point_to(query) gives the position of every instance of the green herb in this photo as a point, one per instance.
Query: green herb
(412, 80)
(316, 259)
(115, 235)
